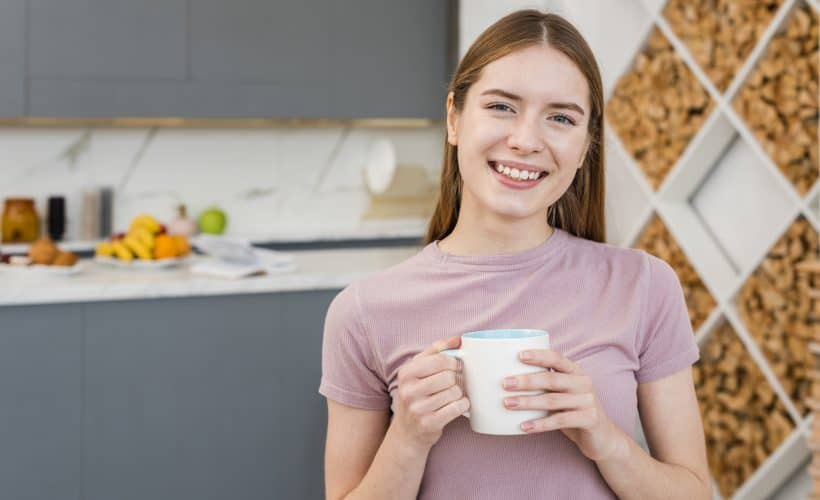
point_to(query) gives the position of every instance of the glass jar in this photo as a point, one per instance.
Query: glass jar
(20, 221)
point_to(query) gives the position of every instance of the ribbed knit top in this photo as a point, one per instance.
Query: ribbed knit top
(618, 312)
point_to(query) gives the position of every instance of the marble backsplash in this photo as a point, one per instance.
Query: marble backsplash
(274, 183)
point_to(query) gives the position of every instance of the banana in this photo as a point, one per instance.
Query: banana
(121, 251)
(144, 236)
(104, 249)
(137, 247)
(146, 221)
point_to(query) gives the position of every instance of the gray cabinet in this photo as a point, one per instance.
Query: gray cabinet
(41, 354)
(106, 57)
(389, 58)
(206, 398)
(218, 59)
(12, 58)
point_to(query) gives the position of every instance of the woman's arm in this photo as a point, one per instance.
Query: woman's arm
(677, 467)
(670, 417)
(363, 458)
(370, 455)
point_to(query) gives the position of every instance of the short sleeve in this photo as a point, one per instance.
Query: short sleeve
(350, 373)
(666, 341)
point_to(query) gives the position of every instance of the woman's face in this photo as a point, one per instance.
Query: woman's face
(528, 112)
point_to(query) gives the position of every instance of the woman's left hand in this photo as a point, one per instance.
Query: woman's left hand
(570, 399)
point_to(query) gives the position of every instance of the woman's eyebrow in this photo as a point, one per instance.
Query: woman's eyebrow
(514, 97)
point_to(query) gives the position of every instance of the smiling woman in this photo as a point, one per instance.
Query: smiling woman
(517, 241)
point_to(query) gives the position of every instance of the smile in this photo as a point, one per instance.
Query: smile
(516, 177)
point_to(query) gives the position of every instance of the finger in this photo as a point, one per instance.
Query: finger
(449, 412)
(563, 420)
(441, 345)
(551, 401)
(429, 385)
(437, 400)
(549, 358)
(429, 365)
(548, 381)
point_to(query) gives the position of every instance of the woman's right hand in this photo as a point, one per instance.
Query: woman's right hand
(428, 396)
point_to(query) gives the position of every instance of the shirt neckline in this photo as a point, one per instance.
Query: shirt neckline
(498, 262)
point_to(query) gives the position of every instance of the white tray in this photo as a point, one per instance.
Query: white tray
(146, 265)
(39, 269)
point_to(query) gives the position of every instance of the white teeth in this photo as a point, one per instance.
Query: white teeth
(514, 173)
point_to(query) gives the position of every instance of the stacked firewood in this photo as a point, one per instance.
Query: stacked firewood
(657, 107)
(779, 101)
(777, 311)
(720, 34)
(658, 241)
(743, 419)
(812, 267)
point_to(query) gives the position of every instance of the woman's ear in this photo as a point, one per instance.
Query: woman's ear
(452, 121)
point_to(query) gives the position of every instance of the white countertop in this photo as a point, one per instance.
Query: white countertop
(316, 270)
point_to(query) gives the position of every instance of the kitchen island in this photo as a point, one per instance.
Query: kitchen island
(164, 385)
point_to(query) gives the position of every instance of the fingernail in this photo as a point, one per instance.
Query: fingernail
(525, 355)
(510, 382)
(511, 402)
(527, 426)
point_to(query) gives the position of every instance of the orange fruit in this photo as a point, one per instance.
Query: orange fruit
(183, 248)
(165, 247)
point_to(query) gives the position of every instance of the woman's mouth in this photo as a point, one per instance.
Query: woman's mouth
(515, 178)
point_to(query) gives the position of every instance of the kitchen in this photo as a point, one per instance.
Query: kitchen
(195, 375)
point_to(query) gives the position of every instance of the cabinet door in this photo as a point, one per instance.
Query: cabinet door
(389, 59)
(179, 399)
(304, 417)
(211, 397)
(12, 58)
(105, 57)
(261, 58)
(41, 394)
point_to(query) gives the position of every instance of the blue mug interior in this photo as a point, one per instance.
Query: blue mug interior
(504, 334)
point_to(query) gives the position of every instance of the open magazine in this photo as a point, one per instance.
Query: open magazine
(233, 258)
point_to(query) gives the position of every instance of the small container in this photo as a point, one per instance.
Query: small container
(56, 217)
(20, 221)
(89, 224)
(106, 212)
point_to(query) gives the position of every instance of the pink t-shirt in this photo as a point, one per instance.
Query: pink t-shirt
(618, 312)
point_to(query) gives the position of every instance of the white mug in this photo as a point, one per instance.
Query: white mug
(489, 356)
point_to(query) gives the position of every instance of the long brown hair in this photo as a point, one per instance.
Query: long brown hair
(580, 211)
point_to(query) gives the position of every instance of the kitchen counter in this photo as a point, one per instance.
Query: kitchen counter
(316, 270)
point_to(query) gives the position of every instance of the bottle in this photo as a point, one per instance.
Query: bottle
(56, 217)
(182, 224)
(89, 225)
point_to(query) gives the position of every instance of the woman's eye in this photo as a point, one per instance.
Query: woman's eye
(499, 107)
(567, 119)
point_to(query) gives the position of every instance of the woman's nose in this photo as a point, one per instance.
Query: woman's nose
(525, 137)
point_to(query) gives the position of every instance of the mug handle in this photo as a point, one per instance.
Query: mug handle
(458, 354)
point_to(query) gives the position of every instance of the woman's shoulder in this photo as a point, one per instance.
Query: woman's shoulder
(610, 255)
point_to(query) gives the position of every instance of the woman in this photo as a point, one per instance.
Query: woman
(516, 241)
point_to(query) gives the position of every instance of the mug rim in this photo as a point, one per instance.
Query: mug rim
(496, 334)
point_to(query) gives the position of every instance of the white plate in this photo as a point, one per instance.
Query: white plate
(149, 265)
(44, 270)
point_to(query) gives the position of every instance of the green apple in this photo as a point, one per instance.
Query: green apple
(213, 221)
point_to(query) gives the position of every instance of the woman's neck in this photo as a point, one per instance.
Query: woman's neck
(499, 240)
